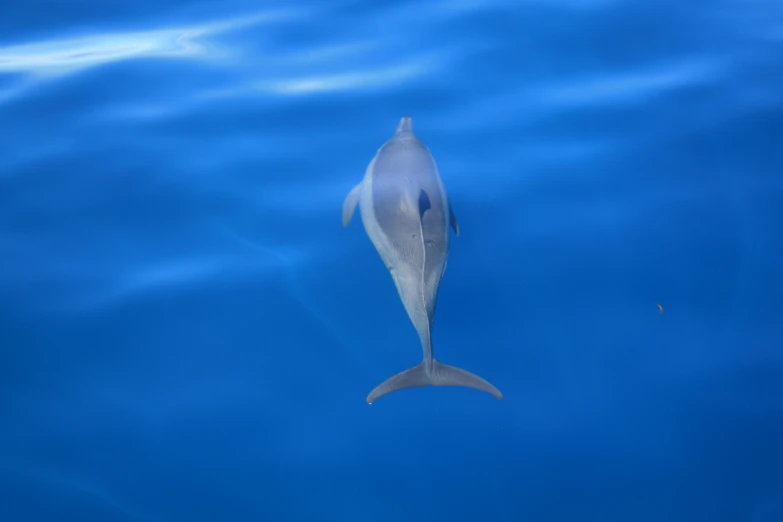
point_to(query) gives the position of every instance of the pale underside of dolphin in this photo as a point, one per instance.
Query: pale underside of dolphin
(406, 214)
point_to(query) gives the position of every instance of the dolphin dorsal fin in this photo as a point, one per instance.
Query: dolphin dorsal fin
(453, 220)
(405, 127)
(424, 203)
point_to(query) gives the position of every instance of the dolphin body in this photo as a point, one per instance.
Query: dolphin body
(406, 213)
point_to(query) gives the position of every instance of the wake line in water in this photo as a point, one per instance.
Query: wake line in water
(65, 485)
(286, 263)
(296, 288)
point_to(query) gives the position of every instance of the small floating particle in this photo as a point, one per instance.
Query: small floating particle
(660, 308)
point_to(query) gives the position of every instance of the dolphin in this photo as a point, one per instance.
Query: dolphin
(406, 214)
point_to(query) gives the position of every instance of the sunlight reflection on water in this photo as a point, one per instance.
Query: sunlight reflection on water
(58, 57)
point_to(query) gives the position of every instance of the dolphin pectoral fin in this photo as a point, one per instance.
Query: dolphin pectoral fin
(415, 377)
(440, 375)
(453, 220)
(349, 204)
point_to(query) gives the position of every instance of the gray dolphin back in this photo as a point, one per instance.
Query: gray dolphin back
(407, 215)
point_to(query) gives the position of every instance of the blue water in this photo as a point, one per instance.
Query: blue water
(187, 333)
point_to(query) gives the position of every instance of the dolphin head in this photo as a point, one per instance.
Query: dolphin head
(404, 127)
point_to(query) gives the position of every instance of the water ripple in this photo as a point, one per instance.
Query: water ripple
(624, 87)
(59, 57)
(364, 79)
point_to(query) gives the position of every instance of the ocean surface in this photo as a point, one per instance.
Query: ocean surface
(188, 333)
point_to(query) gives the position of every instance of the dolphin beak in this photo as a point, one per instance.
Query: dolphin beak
(405, 127)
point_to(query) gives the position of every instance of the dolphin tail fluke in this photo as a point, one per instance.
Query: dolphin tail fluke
(415, 377)
(440, 375)
(445, 375)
